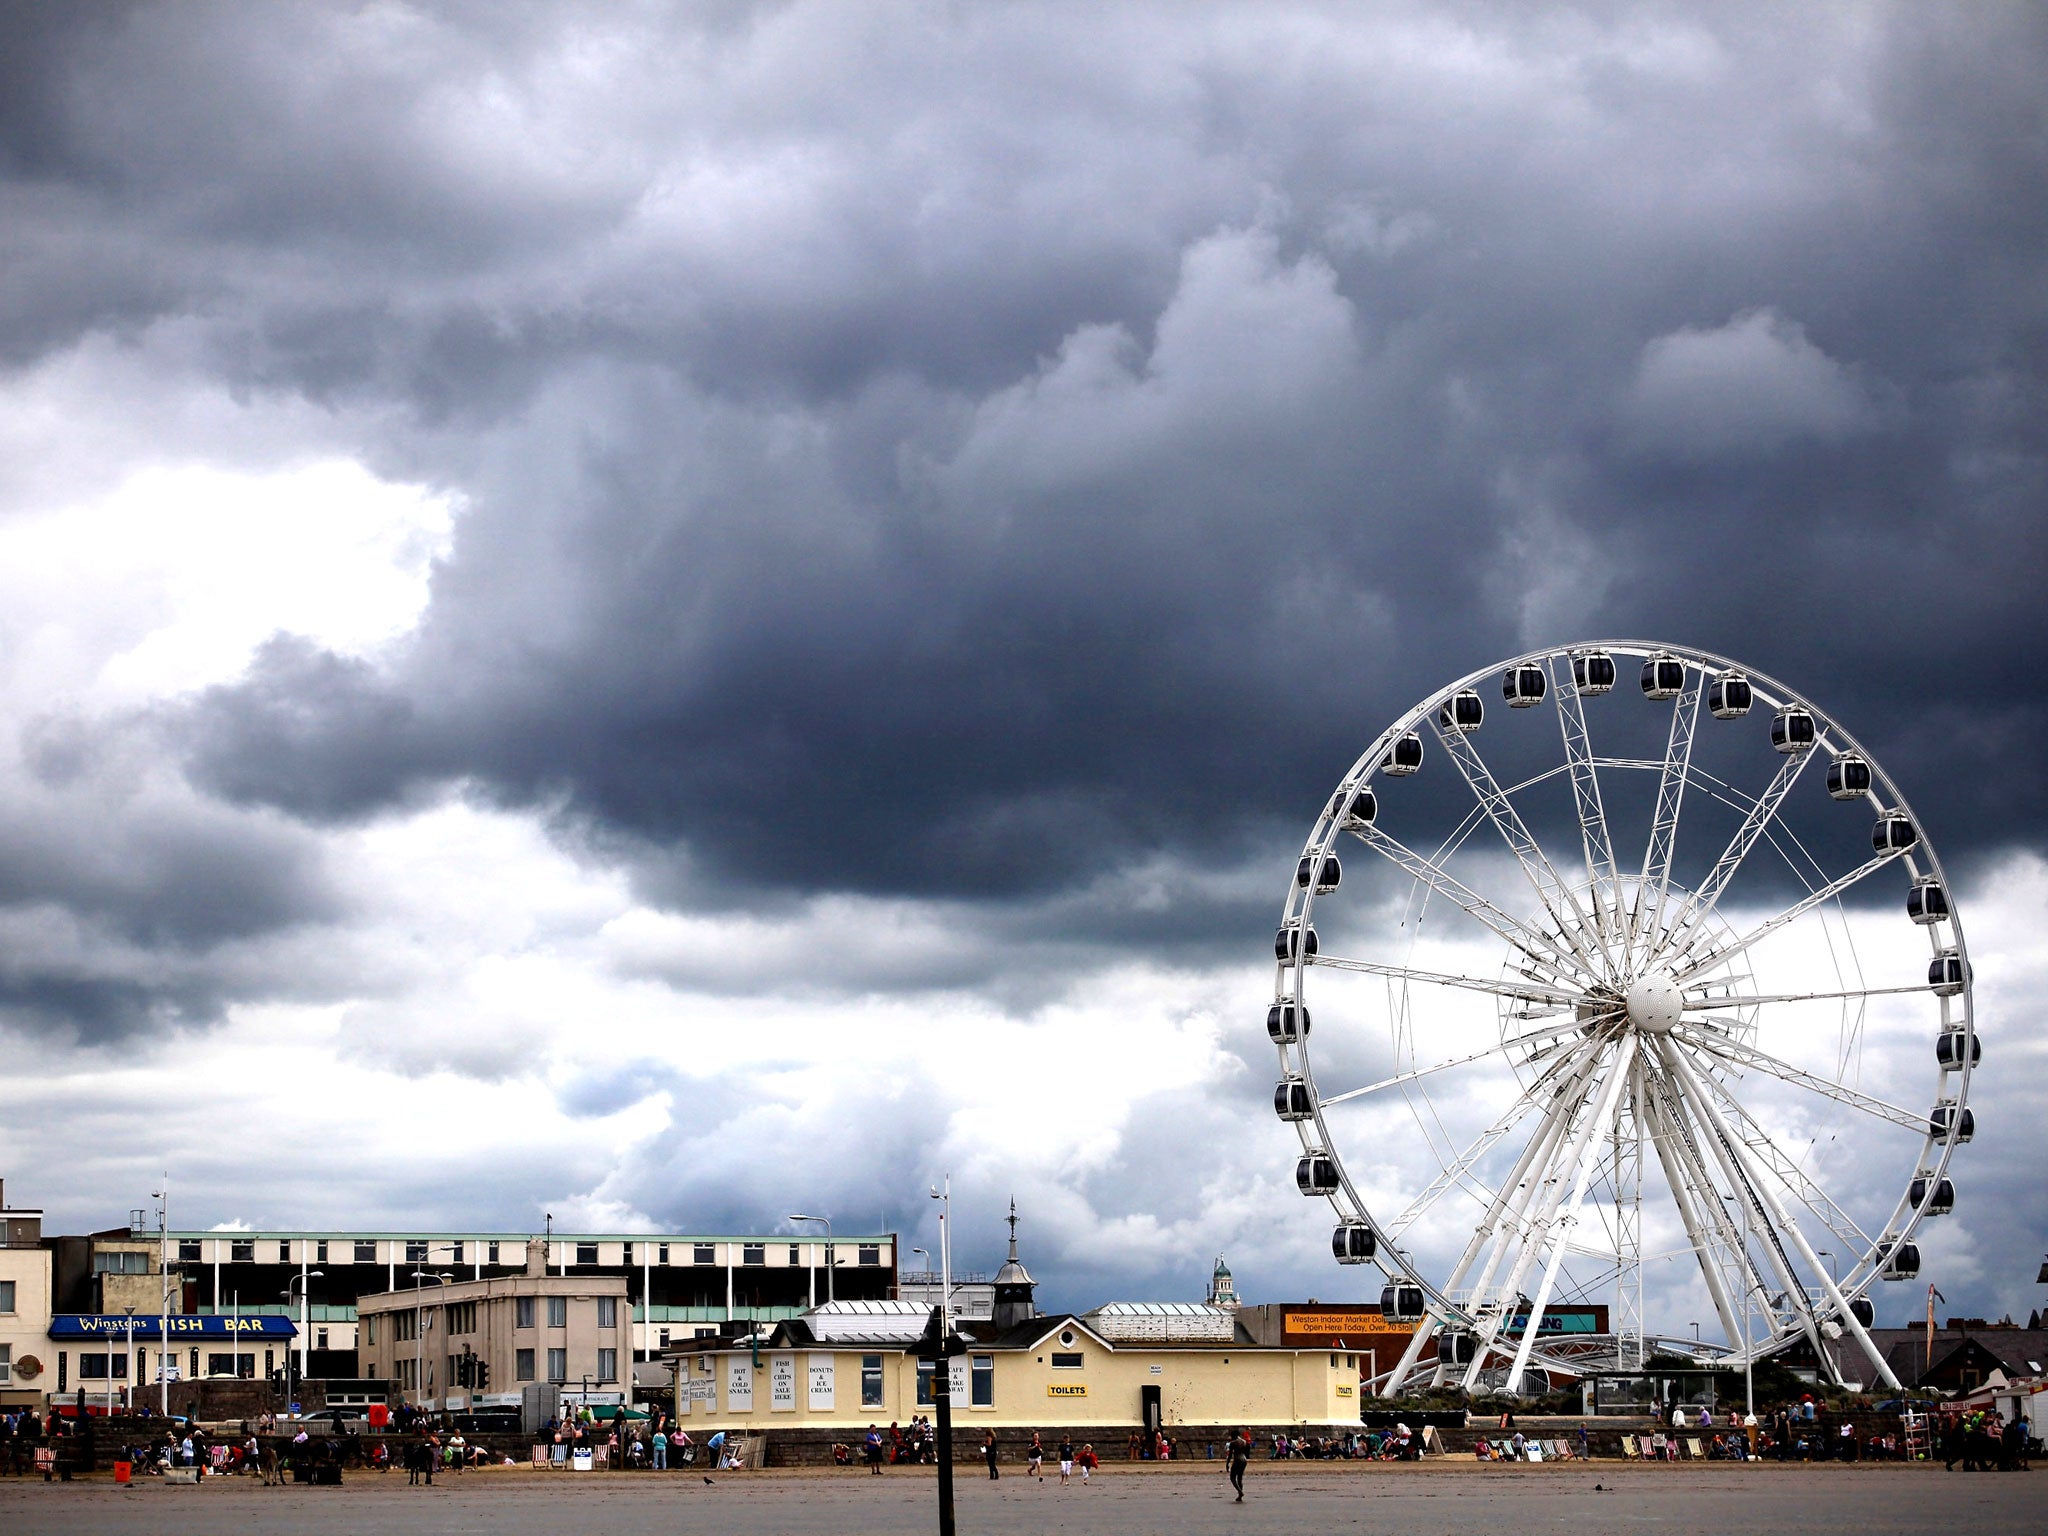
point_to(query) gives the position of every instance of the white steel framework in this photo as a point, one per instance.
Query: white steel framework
(1637, 1021)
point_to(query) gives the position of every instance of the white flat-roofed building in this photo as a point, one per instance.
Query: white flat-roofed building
(680, 1285)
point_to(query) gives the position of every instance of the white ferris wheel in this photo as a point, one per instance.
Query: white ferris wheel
(1616, 985)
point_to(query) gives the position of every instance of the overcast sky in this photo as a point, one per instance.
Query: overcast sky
(671, 615)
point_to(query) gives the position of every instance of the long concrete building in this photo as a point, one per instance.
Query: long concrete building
(679, 1285)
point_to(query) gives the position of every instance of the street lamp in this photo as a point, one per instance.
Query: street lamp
(942, 1367)
(162, 1197)
(298, 1285)
(827, 1220)
(1822, 1253)
(128, 1390)
(419, 1329)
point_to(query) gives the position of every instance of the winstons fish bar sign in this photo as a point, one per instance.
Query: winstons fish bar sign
(101, 1325)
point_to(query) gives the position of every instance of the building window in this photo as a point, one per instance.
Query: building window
(607, 1312)
(607, 1365)
(1072, 1362)
(924, 1384)
(492, 1256)
(366, 1253)
(94, 1367)
(982, 1382)
(871, 1381)
(6, 1363)
(558, 1365)
(870, 1253)
(455, 1254)
(522, 1314)
(188, 1250)
(284, 1251)
(705, 1253)
(662, 1339)
(661, 1254)
(629, 1253)
(120, 1263)
(370, 1329)
(796, 1256)
(522, 1364)
(586, 1253)
(753, 1253)
(320, 1251)
(558, 1311)
(242, 1250)
(415, 1253)
(226, 1365)
(319, 1338)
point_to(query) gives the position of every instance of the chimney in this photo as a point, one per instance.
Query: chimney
(536, 1257)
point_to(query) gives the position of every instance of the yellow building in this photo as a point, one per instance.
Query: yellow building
(845, 1366)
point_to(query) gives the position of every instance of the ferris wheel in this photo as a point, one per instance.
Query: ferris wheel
(1617, 983)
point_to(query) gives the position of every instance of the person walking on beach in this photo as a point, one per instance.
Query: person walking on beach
(1066, 1462)
(988, 1453)
(1240, 1457)
(1036, 1456)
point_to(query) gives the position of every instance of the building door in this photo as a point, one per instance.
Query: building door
(1148, 1405)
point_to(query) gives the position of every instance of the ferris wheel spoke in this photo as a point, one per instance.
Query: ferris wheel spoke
(1594, 837)
(1538, 948)
(1558, 898)
(1781, 1227)
(1749, 1056)
(1519, 1235)
(1558, 1228)
(1534, 1037)
(1695, 1004)
(1700, 905)
(1794, 1179)
(1522, 991)
(1798, 909)
(1655, 886)
(1689, 1109)
(1693, 1193)
(1455, 1172)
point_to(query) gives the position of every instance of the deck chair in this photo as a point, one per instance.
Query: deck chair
(1533, 1450)
(1630, 1449)
(1692, 1449)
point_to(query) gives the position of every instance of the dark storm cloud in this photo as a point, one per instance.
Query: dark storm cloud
(952, 456)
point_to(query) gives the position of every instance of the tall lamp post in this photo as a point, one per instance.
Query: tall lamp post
(297, 1286)
(827, 1220)
(419, 1329)
(128, 1372)
(163, 1337)
(942, 1359)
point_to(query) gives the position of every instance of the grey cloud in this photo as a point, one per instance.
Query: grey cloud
(964, 463)
(1749, 386)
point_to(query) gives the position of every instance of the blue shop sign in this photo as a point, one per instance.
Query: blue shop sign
(101, 1325)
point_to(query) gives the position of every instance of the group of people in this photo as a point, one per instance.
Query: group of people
(913, 1445)
(1983, 1443)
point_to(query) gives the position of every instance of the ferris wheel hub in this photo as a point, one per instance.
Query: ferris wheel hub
(1654, 1003)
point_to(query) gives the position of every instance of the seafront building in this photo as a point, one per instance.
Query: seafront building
(678, 1285)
